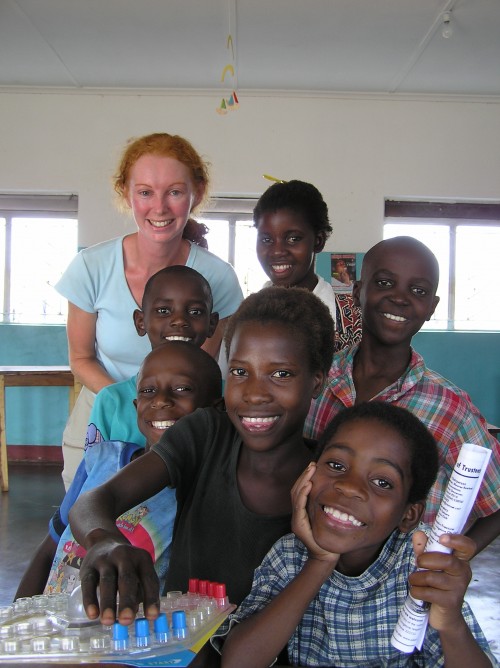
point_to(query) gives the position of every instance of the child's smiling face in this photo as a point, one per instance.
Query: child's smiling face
(170, 385)
(397, 291)
(177, 308)
(286, 246)
(360, 491)
(269, 386)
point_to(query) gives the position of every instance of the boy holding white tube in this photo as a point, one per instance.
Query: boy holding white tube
(331, 592)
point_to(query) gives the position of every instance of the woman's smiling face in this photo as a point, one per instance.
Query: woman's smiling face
(360, 492)
(161, 195)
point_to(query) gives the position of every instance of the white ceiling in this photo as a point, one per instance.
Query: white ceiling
(370, 46)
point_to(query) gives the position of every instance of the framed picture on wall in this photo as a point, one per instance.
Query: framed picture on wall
(343, 271)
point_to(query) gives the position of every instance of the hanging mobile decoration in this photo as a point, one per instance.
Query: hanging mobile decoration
(230, 103)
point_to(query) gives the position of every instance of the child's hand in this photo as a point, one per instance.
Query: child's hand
(118, 568)
(301, 526)
(444, 581)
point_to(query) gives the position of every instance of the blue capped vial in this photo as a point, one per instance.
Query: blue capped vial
(161, 628)
(179, 624)
(142, 635)
(120, 636)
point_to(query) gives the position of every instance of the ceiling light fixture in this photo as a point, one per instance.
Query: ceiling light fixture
(447, 29)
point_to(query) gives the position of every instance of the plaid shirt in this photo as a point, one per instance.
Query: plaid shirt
(445, 409)
(350, 621)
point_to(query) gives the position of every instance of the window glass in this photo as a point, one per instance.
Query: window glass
(477, 304)
(247, 266)
(218, 237)
(40, 250)
(233, 238)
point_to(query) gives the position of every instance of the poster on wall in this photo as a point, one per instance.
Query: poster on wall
(343, 272)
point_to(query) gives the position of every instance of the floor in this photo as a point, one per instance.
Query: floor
(36, 490)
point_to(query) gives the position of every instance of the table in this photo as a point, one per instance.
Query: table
(30, 376)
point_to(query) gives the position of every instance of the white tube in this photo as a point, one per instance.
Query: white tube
(454, 510)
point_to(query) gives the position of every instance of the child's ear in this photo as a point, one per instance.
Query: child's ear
(319, 242)
(214, 321)
(412, 516)
(319, 383)
(435, 302)
(356, 289)
(139, 322)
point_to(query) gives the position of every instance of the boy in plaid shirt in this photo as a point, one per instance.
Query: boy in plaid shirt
(331, 592)
(397, 294)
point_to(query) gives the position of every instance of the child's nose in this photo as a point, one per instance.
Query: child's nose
(162, 399)
(350, 485)
(255, 392)
(278, 247)
(399, 295)
(178, 320)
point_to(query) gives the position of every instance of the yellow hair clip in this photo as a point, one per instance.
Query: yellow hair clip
(273, 178)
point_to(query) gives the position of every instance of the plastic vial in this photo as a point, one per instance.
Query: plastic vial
(120, 636)
(220, 595)
(161, 628)
(40, 602)
(22, 605)
(6, 612)
(203, 587)
(41, 644)
(142, 636)
(179, 624)
(12, 646)
(70, 644)
(99, 643)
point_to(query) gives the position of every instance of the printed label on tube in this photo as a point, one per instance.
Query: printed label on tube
(454, 510)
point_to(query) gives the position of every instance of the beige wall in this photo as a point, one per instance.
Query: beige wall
(356, 149)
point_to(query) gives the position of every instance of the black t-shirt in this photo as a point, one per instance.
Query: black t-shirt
(216, 537)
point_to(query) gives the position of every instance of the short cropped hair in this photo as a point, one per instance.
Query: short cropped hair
(207, 368)
(297, 196)
(424, 460)
(304, 314)
(179, 270)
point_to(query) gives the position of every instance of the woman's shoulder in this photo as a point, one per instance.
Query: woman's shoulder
(103, 249)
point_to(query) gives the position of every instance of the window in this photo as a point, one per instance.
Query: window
(233, 238)
(465, 238)
(38, 238)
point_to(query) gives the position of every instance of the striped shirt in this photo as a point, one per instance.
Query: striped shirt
(445, 409)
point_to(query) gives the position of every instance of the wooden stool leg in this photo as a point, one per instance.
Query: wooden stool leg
(4, 464)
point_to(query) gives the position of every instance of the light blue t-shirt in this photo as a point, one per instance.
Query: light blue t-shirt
(113, 415)
(95, 282)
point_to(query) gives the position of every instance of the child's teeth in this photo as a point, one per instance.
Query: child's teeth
(344, 517)
(162, 424)
(397, 318)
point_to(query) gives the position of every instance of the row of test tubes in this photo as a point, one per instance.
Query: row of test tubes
(181, 615)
